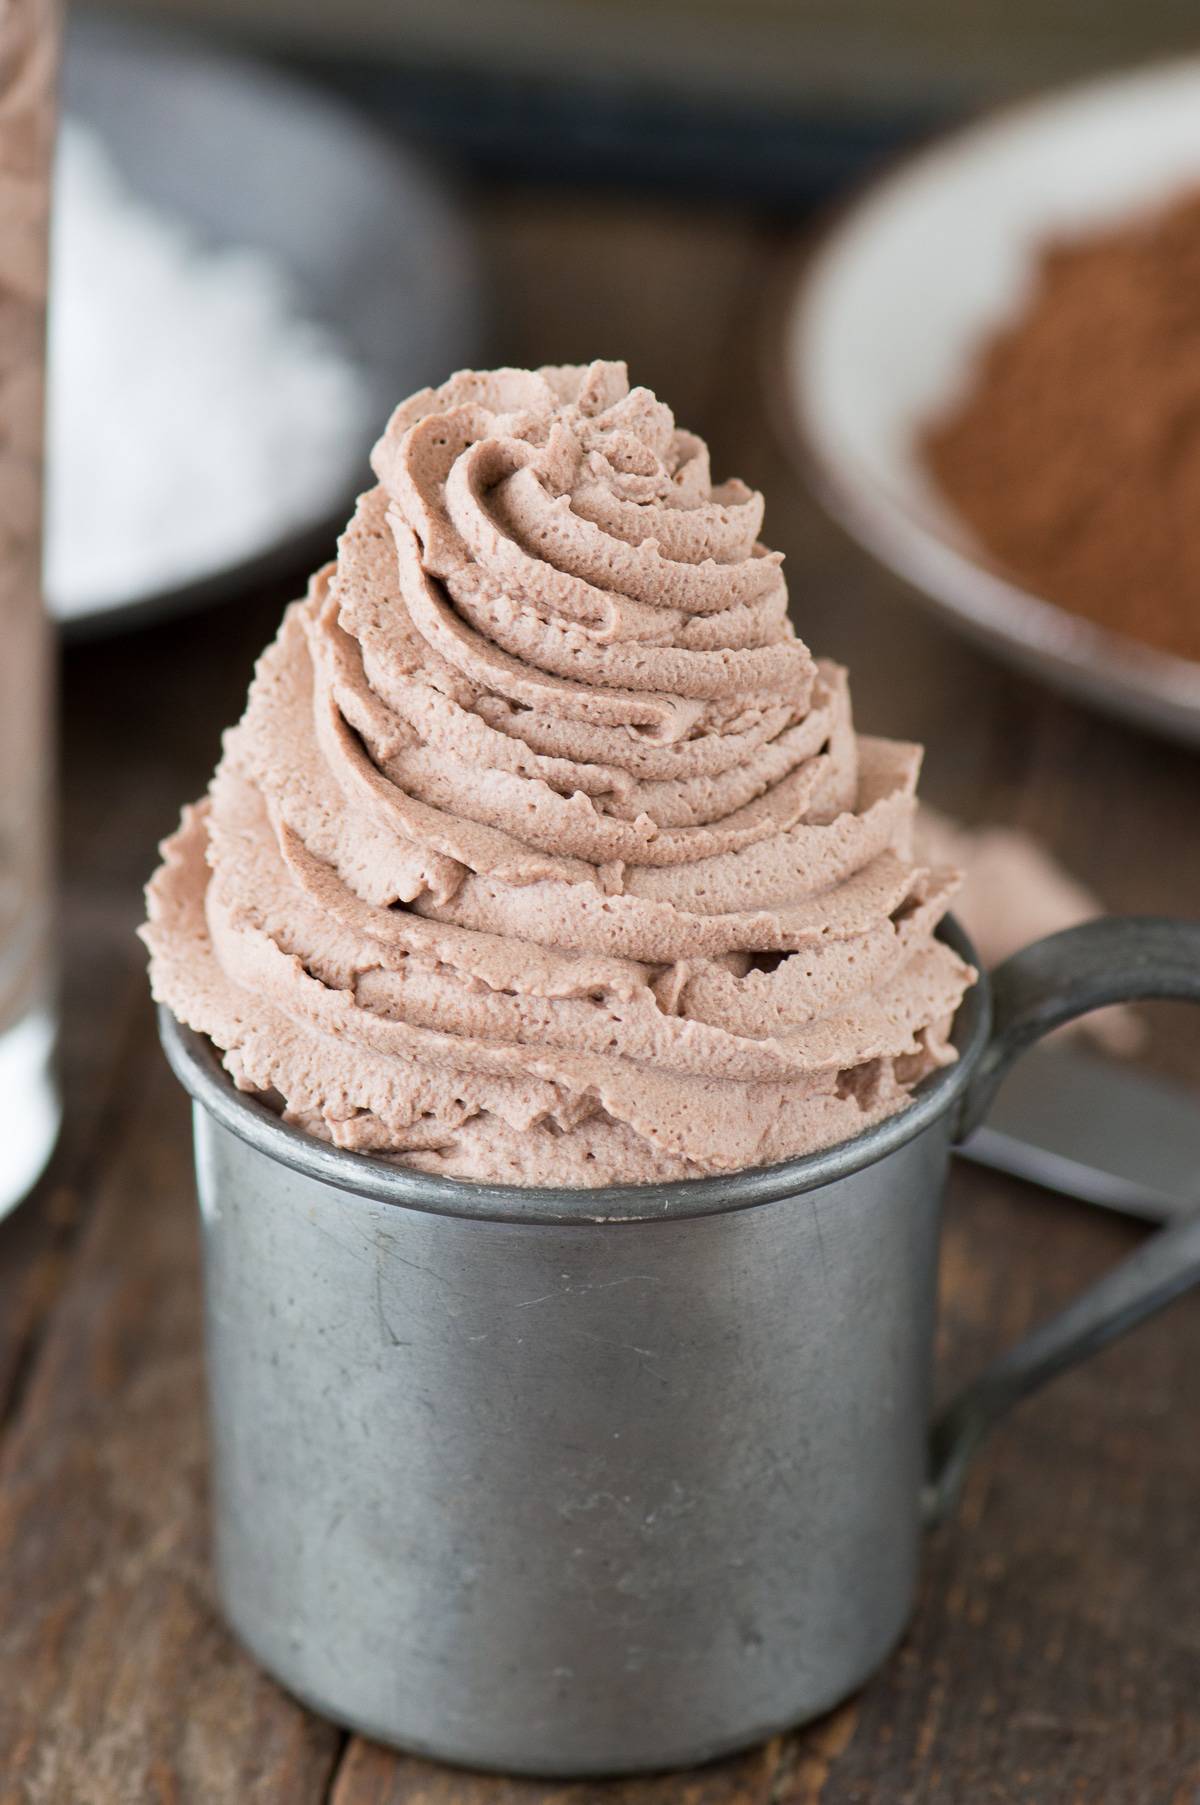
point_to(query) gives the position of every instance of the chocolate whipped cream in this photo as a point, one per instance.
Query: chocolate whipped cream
(545, 852)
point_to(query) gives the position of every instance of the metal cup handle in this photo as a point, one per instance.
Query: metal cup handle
(1118, 960)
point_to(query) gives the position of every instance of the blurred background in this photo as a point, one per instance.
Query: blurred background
(771, 104)
(772, 96)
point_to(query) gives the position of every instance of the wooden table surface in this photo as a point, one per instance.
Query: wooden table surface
(1055, 1653)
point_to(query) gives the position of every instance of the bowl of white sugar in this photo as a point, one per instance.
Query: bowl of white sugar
(242, 269)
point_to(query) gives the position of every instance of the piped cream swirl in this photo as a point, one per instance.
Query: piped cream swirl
(545, 852)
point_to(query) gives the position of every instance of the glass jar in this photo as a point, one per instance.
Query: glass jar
(29, 1108)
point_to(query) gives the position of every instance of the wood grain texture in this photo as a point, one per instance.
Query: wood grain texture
(1055, 1653)
(370, 1775)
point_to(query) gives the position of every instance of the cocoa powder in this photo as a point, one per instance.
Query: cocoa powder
(1075, 455)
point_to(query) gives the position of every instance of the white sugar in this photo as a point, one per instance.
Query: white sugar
(194, 415)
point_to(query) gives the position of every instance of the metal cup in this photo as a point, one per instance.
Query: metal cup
(579, 1482)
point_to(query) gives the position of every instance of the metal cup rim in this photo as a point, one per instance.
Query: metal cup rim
(196, 1063)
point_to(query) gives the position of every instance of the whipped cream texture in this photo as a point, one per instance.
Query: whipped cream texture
(545, 852)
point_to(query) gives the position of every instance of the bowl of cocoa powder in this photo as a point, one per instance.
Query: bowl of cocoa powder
(993, 361)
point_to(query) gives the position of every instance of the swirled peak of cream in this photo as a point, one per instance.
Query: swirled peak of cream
(545, 852)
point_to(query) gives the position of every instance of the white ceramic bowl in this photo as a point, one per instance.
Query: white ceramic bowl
(892, 309)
